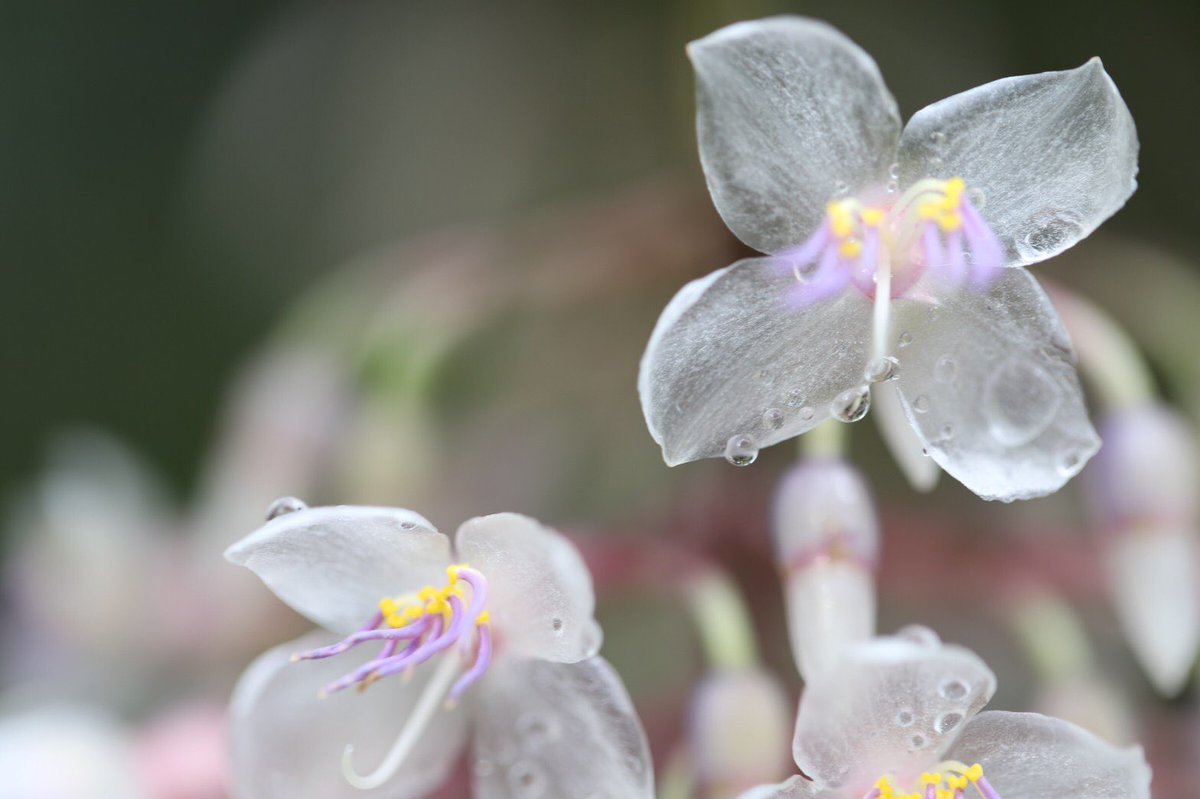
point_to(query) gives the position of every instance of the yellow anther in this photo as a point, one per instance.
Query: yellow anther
(850, 248)
(949, 221)
(427, 593)
(387, 606)
(840, 219)
(954, 189)
(397, 621)
(483, 618)
(928, 211)
(414, 612)
(943, 793)
(930, 779)
(452, 573)
(974, 773)
(956, 783)
(872, 217)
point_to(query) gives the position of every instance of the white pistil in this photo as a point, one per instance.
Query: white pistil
(427, 706)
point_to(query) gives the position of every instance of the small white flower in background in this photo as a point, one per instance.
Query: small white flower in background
(887, 255)
(1142, 494)
(511, 636)
(827, 546)
(897, 720)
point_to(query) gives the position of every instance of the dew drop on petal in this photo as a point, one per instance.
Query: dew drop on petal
(851, 405)
(841, 189)
(894, 171)
(1049, 232)
(947, 721)
(937, 137)
(947, 432)
(977, 197)
(1019, 401)
(1068, 462)
(917, 741)
(535, 730)
(953, 689)
(882, 369)
(920, 403)
(794, 400)
(772, 418)
(944, 369)
(741, 450)
(904, 339)
(904, 718)
(892, 186)
(806, 413)
(284, 506)
(526, 780)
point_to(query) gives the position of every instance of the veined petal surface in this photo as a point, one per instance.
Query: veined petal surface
(790, 113)
(1054, 155)
(989, 385)
(334, 564)
(730, 348)
(539, 590)
(285, 742)
(893, 706)
(1030, 756)
(558, 730)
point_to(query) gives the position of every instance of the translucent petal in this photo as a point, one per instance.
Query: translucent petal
(547, 729)
(907, 449)
(729, 348)
(1053, 154)
(1029, 756)
(894, 705)
(789, 114)
(1153, 581)
(285, 742)
(334, 564)
(989, 384)
(539, 590)
(795, 788)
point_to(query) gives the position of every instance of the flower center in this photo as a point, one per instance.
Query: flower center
(950, 781)
(414, 628)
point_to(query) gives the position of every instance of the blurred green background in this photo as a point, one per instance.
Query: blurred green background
(173, 174)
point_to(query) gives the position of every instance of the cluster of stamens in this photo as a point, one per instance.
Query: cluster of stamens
(932, 226)
(949, 782)
(418, 626)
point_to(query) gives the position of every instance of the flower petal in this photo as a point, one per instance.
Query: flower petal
(795, 788)
(285, 742)
(334, 564)
(558, 729)
(1030, 756)
(789, 113)
(539, 591)
(990, 387)
(894, 705)
(1054, 155)
(730, 358)
(907, 449)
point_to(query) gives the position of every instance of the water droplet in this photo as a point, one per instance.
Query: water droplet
(953, 689)
(807, 413)
(934, 312)
(526, 780)
(904, 718)
(794, 400)
(741, 450)
(408, 525)
(892, 186)
(977, 197)
(1068, 462)
(918, 634)
(882, 369)
(535, 731)
(947, 432)
(841, 189)
(1020, 401)
(851, 405)
(916, 741)
(556, 626)
(947, 722)
(804, 272)
(772, 418)
(920, 403)
(284, 506)
(1048, 233)
(905, 339)
(937, 137)
(945, 369)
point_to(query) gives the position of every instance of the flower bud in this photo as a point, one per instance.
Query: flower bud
(739, 731)
(1142, 492)
(826, 544)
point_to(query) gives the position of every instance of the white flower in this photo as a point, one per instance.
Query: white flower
(897, 720)
(887, 245)
(511, 634)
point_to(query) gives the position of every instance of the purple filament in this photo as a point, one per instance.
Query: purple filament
(482, 660)
(986, 789)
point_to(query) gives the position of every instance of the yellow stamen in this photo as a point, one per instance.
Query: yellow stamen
(850, 248)
(930, 779)
(872, 217)
(483, 618)
(974, 773)
(840, 219)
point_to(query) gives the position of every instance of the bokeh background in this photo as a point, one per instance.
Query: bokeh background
(409, 253)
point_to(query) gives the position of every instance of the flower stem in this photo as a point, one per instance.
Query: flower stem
(883, 304)
(723, 621)
(1108, 357)
(826, 440)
